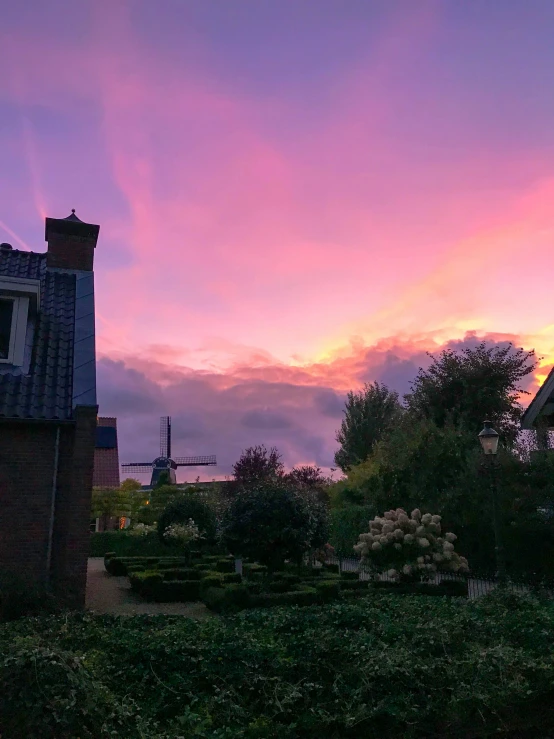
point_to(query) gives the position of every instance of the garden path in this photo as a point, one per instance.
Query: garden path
(109, 594)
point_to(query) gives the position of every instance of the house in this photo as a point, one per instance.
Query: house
(48, 407)
(106, 455)
(106, 468)
(539, 415)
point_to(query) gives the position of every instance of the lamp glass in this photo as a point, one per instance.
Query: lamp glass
(489, 439)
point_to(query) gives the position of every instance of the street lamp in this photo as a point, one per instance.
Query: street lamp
(489, 441)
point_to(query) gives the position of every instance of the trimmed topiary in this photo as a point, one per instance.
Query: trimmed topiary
(349, 575)
(354, 584)
(225, 565)
(232, 577)
(182, 574)
(327, 589)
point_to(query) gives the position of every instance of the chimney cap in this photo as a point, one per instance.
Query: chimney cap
(71, 226)
(73, 217)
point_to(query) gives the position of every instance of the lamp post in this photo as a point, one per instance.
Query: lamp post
(489, 442)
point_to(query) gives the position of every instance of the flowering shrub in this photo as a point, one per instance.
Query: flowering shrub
(323, 553)
(142, 529)
(409, 547)
(182, 533)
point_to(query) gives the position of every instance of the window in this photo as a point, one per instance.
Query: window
(7, 315)
(19, 300)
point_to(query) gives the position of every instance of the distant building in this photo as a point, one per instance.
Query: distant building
(48, 407)
(106, 455)
(539, 415)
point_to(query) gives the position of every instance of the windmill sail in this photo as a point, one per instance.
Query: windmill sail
(165, 436)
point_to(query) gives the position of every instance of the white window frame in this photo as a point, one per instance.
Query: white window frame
(25, 296)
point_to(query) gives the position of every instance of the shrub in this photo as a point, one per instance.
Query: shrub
(306, 597)
(19, 598)
(409, 548)
(181, 574)
(212, 581)
(123, 544)
(232, 577)
(345, 526)
(225, 565)
(332, 567)
(176, 591)
(254, 570)
(349, 575)
(145, 583)
(327, 589)
(354, 585)
(184, 508)
(269, 523)
(227, 599)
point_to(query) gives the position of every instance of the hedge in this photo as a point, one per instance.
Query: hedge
(373, 667)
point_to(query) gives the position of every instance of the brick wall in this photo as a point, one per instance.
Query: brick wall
(106, 461)
(26, 475)
(70, 252)
(71, 542)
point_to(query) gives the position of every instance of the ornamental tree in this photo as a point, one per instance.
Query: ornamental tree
(409, 547)
(270, 522)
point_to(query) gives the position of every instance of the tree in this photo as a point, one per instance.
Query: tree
(368, 414)
(269, 522)
(186, 507)
(465, 388)
(309, 478)
(109, 503)
(256, 464)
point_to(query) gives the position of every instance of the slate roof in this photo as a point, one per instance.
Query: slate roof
(46, 391)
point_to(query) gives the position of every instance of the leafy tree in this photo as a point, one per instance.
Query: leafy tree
(466, 387)
(368, 414)
(256, 464)
(269, 522)
(107, 503)
(186, 507)
(309, 478)
(158, 499)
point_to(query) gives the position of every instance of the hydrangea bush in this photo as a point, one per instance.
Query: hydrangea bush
(410, 547)
(183, 534)
(142, 529)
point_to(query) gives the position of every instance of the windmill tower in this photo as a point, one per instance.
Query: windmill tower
(165, 463)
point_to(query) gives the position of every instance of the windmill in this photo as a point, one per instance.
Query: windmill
(164, 463)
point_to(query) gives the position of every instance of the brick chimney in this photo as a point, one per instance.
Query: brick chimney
(71, 243)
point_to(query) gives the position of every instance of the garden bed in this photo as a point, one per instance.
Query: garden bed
(212, 580)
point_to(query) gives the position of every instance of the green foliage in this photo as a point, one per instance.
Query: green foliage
(374, 667)
(225, 565)
(346, 524)
(19, 598)
(109, 503)
(256, 465)
(188, 506)
(268, 523)
(465, 387)
(367, 416)
(232, 577)
(327, 589)
(125, 545)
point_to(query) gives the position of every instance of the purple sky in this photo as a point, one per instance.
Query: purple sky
(294, 197)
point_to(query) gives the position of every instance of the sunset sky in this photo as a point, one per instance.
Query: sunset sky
(293, 197)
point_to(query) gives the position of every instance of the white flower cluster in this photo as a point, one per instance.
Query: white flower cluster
(142, 529)
(183, 533)
(396, 536)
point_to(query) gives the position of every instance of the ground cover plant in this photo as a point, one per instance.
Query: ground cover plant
(375, 667)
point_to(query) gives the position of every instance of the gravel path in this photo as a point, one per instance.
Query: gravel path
(109, 594)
